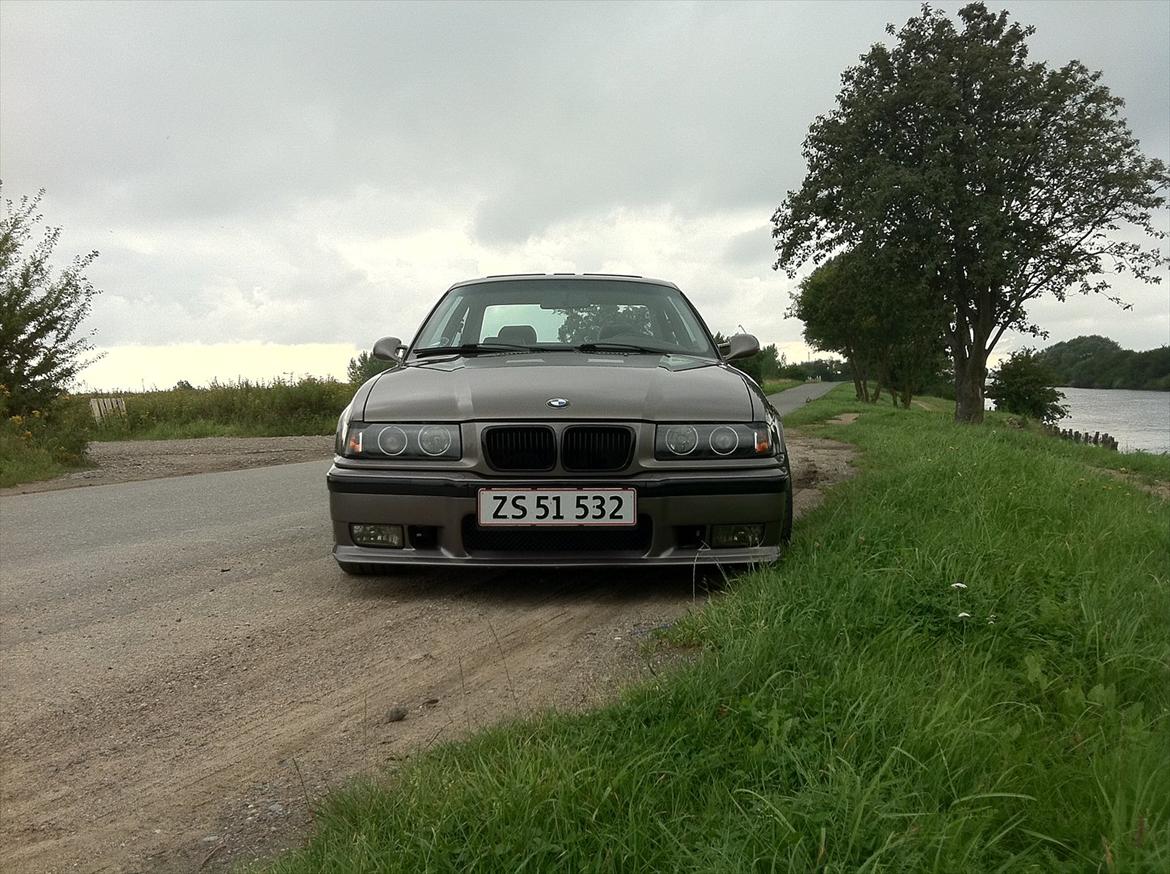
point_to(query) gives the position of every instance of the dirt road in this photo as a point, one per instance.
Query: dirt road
(183, 669)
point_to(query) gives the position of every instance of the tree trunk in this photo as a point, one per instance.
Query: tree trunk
(907, 394)
(857, 384)
(969, 349)
(970, 375)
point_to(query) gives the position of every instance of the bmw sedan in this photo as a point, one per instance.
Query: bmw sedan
(568, 420)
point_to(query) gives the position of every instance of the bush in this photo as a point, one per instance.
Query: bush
(1024, 385)
(241, 409)
(42, 346)
(39, 444)
(365, 367)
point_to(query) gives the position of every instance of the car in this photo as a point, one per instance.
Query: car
(565, 420)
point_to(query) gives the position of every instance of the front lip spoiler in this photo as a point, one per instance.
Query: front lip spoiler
(392, 558)
(463, 488)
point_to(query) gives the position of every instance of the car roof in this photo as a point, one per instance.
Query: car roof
(514, 277)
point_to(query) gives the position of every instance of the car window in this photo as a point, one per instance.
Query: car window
(573, 325)
(558, 312)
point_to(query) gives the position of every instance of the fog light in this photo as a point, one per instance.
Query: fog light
(382, 536)
(725, 536)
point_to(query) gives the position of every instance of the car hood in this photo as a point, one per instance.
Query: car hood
(638, 387)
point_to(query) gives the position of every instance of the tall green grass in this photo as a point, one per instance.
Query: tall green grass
(44, 443)
(854, 708)
(771, 386)
(239, 409)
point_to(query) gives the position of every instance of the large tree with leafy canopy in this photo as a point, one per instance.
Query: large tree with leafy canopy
(42, 345)
(879, 315)
(1005, 179)
(827, 302)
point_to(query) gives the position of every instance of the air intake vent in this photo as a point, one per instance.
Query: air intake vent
(520, 448)
(599, 448)
(632, 541)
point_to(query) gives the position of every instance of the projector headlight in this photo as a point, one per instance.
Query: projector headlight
(403, 442)
(695, 442)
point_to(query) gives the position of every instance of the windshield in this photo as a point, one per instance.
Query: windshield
(563, 314)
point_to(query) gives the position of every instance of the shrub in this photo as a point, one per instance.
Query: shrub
(1024, 385)
(38, 444)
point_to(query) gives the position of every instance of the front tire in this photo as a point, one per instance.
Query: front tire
(786, 531)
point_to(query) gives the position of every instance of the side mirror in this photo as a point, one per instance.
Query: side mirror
(740, 346)
(389, 349)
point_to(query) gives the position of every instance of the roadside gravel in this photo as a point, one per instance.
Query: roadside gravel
(120, 461)
(186, 675)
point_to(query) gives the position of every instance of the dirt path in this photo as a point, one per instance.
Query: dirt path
(184, 711)
(121, 461)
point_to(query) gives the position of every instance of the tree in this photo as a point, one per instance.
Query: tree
(41, 344)
(366, 367)
(771, 360)
(1024, 385)
(765, 364)
(826, 304)
(1004, 179)
(1098, 362)
(587, 324)
(879, 315)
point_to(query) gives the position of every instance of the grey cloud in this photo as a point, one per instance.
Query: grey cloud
(752, 250)
(370, 120)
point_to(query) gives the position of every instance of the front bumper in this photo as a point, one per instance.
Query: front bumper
(675, 512)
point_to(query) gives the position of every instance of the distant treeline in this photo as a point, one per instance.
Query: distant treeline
(1098, 362)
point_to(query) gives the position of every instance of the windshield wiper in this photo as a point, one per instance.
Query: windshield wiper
(604, 346)
(474, 349)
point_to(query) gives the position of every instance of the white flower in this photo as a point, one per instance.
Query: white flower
(959, 585)
(964, 615)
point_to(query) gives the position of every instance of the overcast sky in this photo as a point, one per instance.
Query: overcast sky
(273, 186)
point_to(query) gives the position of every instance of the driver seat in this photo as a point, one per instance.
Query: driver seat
(519, 335)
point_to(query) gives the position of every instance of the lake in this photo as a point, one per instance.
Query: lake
(1136, 419)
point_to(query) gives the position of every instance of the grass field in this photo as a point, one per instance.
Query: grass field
(962, 665)
(53, 443)
(45, 444)
(771, 386)
(246, 409)
(241, 409)
(22, 462)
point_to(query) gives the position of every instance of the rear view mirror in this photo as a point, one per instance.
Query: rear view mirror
(740, 346)
(389, 349)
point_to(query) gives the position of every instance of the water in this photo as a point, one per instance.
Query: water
(1138, 420)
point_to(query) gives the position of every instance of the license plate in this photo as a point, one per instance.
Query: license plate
(558, 507)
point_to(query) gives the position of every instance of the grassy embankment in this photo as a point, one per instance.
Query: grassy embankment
(21, 461)
(44, 443)
(853, 709)
(43, 446)
(241, 409)
(34, 448)
(771, 386)
(246, 409)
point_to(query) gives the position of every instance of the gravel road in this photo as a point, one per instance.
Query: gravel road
(184, 669)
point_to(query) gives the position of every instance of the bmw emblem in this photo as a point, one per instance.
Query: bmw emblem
(558, 403)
